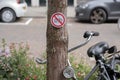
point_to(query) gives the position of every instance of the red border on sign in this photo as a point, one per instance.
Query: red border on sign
(60, 22)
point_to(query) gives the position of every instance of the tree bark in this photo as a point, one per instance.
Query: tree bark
(57, 42)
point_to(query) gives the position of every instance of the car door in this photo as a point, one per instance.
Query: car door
(1, 3)
(115, 8)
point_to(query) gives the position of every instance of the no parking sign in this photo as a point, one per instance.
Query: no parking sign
(58, 20)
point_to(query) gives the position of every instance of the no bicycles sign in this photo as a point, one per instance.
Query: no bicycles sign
(58, 20)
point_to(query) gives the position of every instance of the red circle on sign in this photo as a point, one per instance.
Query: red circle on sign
(58, 20)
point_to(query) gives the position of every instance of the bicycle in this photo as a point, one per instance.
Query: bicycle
(105, 66)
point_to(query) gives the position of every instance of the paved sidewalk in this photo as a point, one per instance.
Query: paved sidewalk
(42, 12)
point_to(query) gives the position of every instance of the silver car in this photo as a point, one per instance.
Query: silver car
(12, 9)
(98, 11)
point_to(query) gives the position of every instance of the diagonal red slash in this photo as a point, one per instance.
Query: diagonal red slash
(58, 19)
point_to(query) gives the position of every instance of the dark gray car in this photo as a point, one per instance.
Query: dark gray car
(98, 11)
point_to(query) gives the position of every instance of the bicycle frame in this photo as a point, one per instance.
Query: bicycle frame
(104, 74)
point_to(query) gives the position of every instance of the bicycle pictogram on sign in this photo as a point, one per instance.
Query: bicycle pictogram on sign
(58, 20)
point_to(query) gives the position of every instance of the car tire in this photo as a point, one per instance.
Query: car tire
(8, 15)
(98, 16)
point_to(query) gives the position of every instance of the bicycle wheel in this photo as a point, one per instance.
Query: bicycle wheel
(118, 23)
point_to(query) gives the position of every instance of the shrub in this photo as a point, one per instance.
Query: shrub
(16, 65)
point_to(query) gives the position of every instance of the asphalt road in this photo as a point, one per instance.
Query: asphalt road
(33, 31)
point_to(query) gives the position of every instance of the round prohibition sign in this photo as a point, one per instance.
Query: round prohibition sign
(58, 20)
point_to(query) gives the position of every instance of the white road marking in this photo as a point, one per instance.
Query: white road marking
(27, 22)
(18, 23)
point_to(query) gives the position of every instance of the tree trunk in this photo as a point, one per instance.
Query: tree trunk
(57, 42)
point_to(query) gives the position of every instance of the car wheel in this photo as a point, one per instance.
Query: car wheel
(98, 16)
(8, 15)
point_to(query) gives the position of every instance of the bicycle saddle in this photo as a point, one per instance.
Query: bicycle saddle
(98, 49)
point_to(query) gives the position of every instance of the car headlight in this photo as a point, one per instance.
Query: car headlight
(84, 6)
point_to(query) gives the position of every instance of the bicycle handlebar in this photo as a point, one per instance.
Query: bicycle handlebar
(40, 61)
(92, 33)
(87, 34)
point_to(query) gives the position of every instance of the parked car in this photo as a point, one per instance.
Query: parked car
(12, 9)
(98, 11)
